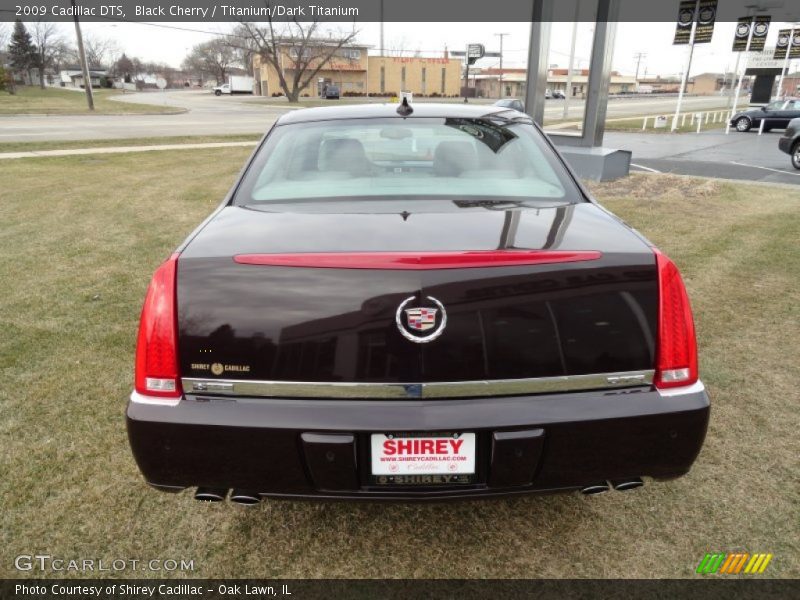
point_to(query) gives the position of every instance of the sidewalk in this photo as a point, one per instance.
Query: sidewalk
(121, 149)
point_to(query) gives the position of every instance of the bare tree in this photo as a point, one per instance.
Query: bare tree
(397, 46)
(244, 47)
(49, 46)
(100, 52)
(214, 56)
(297, 51)
(5, 35)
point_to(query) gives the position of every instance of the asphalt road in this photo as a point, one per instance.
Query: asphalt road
(745, 156)
(207, 115)
(211, 115)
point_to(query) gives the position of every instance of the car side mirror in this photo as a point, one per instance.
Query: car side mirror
(764, 108)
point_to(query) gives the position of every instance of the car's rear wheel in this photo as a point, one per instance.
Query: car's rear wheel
(796, 155)
(217, 93)
(743, 124)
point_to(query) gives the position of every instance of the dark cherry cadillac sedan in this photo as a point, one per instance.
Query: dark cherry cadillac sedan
(417, 303)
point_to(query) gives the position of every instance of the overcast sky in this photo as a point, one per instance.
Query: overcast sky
(169, 42)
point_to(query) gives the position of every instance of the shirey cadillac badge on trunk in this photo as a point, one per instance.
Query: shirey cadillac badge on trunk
(421, 319)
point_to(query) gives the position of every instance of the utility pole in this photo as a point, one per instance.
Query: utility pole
(500, 81)
(639, 56)
(87, 81)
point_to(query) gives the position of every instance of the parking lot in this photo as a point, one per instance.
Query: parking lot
(742, 156)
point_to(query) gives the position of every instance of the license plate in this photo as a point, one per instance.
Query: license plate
(409, 455)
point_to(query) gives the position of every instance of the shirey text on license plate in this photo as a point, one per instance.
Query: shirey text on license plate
(423, 455)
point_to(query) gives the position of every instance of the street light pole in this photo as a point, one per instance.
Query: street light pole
(744, 70)
(733, 81)
(571, 65)
(381, 17)
(87, 81)
(500, 81)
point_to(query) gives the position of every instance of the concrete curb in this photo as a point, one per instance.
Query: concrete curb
(121, 149)
(178, 111)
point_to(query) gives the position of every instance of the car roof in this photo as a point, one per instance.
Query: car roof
(455, 110)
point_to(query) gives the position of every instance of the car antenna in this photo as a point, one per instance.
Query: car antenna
(404, 109)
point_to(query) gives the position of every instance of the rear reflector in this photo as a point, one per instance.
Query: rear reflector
(416, 260)
(676, 353)
(157, 345)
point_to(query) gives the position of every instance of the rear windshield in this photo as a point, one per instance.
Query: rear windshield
(425, 158)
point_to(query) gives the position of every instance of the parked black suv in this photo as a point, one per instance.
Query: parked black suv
(331, 92)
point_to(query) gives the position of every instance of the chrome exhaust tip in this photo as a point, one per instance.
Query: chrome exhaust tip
(622, 485)
(595, 488)
(210, 494)
(245, 497)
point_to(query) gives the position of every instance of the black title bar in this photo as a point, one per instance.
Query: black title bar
(353, 10)
(709, 588)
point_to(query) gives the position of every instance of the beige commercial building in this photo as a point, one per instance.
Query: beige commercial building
(425, 76)
(488, 83)
(358, 74)
(712, 83)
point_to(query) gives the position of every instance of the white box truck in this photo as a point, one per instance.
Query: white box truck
(237, 84)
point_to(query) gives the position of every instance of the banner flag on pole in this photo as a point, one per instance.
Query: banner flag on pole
(760, 30)
(782, 44)
(683, 30)
(742, 33)
(794, 51)
(706, 15)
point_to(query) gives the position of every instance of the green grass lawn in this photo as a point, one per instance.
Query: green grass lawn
(32, 100)
(80, 239)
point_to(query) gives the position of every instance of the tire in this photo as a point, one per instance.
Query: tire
(743, 124)
(796, 155)
(217, 93)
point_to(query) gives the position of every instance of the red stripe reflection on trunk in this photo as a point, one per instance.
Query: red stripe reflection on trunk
(417, 260)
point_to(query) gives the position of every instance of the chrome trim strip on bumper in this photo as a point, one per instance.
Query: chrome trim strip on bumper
(154, 400)
(449, 389)
(697, 386)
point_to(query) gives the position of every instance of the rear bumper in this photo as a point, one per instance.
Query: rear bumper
(320, 448)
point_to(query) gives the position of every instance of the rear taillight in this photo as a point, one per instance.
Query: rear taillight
(157, 345)
(676, 352)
